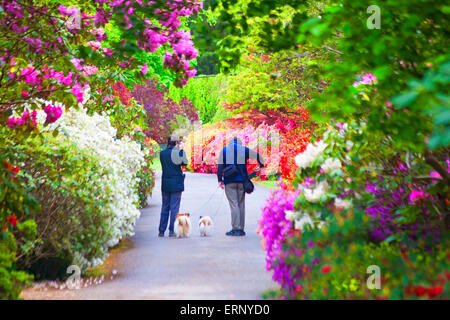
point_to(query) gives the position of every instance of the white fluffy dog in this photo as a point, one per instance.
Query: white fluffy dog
(182, 225)
(205, 225)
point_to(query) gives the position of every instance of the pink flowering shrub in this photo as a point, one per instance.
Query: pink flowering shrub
(275, 229)
(54, 55)
(203, 146)
(61, 51)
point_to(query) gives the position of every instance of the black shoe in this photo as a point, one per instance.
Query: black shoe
(172, 234)
(161, 234)
(232, 233)
(241, 233)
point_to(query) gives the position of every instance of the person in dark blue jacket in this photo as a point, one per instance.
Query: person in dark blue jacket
(232, 180)
(172, 184)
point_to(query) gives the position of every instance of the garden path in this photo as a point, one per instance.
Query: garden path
(216, 267)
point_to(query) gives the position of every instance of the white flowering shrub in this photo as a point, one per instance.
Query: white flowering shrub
(105, 170)
(82, 179)
(122, 157)
(312, 152)
(74, 221)
(320, 167)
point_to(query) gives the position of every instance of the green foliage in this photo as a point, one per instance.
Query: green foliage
(14, 199)
(204, 29)
(283, 80)
(342, 246)
(205, 93)
(207, 63)
(11, 280)
(146, 175)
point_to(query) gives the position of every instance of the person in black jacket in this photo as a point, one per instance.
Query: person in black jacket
(172, 184)
(231, 179)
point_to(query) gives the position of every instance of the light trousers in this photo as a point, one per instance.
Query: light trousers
(236, 198)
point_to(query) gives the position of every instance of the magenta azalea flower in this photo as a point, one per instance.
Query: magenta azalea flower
(13, 122)
(416, 195)
(368, 78)
(53, 113)
(95, 45)
(144, 69)
(77, 92)
(435, 174)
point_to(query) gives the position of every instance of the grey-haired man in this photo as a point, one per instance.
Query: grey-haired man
(231, 179)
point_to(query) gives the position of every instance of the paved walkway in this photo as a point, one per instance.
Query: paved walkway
(216, 267)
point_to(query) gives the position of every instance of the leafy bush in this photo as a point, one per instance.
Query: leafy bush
(163, 114)
(13, 199)
(146, 175)
(11, 280)
(353, 209)
(205, 93)
(278, 137)
(130, 119)
(56, 59)
(282, 80)
(75, 221)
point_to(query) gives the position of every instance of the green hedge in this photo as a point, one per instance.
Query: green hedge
(205, 93)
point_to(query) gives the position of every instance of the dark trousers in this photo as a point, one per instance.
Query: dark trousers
(170, 206)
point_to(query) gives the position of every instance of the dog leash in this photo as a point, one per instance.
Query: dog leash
(219, 206)
(209, 199)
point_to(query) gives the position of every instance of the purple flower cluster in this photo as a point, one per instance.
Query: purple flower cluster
(154, 36)
(275, 228)
(384, 212)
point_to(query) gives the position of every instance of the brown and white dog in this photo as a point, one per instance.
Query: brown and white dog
(205, 225)
(182, 224)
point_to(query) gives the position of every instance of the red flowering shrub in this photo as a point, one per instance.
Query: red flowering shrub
(121, 91)
(294, 142)
(163, 114)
